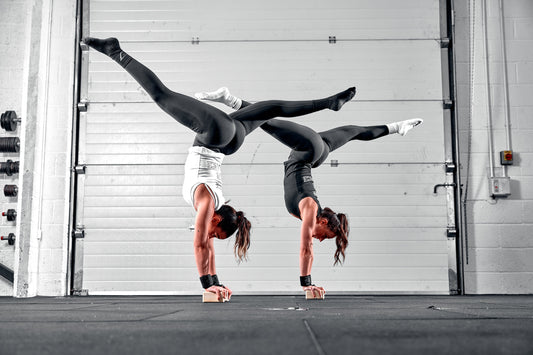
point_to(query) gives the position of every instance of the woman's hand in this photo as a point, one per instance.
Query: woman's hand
(318, 292)
(222, 292)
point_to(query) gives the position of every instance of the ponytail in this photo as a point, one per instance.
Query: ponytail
(236, 221)
(242, 239)
(338, 224)
(342, 238)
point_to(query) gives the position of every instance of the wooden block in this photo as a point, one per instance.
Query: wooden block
(210, 297)
(309, 295)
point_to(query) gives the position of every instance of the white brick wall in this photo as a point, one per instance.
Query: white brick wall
(53, 249)
(12, 46)
(500, 237)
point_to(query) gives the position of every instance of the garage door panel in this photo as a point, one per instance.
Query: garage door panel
(133, 235)
(129, 140)
(147, 223)
(271, 275)
(112, 210)
(262, 237)
(259, 20)
(133, 212)
(149, 179)
(137, 227)
(162, 288)
(373, 74)
(178, 254)
(151, 191)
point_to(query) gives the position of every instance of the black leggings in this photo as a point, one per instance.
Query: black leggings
(311, 147)
(214, 128)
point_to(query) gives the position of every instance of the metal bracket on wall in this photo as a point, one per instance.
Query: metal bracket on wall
(195, 40)
(444, 43)
(436, 187)
(451, 232)
(450, 167)
(78, 233)
(447, 104)
(82, 292)
(80, 169)
(332, 39)
(82, 105)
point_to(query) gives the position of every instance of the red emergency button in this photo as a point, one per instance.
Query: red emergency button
(506, 157)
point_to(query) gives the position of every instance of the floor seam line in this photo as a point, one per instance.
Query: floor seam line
(159, 315)
(313, 338)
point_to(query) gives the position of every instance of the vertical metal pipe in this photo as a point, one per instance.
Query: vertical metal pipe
(489, 100)
(75, 134)
(459, 224)
(505, 87)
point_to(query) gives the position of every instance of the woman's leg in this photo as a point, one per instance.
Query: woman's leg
(265, 110)
(337, 137)
(307, 146)
(275, 108)
(213, 126)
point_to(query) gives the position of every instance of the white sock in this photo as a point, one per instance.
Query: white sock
(221, 95)
(403, 127)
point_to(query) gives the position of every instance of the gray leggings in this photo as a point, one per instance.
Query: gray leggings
(311, 147)
(215, 129)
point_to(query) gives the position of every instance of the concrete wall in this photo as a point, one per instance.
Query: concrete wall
(500, 234)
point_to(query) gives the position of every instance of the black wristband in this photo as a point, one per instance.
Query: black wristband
(216, 282)
(305, 280)
(207, 281)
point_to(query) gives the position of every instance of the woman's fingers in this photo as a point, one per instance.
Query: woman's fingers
(318, 292)
(221, 292)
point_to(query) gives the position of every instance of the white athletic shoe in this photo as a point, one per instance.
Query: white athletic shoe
(407, 125)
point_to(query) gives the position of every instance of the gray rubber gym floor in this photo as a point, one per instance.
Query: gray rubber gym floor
(268, 325)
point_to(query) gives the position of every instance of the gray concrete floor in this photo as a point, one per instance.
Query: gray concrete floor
(268, 325)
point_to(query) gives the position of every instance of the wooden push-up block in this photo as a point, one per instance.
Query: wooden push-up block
(209, 297)
(309, 295)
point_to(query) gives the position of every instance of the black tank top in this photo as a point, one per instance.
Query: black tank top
(298, 184)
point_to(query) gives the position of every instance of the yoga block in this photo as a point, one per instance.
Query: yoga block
(309, 295)
(209, 297)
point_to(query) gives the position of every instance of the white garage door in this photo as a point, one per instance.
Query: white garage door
(137, 227)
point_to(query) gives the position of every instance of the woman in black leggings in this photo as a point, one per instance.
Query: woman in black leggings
(309, 150)
(217, 134)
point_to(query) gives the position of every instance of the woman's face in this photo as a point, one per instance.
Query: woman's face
(214, 230)
(217, 232)
(322, 231)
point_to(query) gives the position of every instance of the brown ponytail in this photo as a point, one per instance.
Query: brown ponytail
(342, 238)
(235, 221)
(242, 239)
(338, 224)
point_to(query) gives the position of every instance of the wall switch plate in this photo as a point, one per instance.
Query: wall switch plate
(499, 186)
